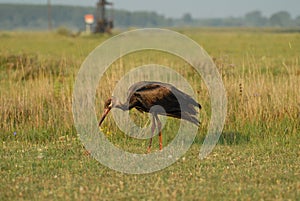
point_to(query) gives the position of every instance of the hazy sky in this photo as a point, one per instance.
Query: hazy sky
(197, 8)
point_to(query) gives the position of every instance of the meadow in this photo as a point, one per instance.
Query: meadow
(256, 158)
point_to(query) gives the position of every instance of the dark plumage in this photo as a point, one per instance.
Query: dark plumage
(144, 95)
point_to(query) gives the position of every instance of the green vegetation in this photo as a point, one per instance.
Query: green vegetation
(35, 17)
(257, 157)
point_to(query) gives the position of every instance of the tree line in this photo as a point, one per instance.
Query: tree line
(16, 16)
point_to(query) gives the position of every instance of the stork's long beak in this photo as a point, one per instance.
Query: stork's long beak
(106, 111)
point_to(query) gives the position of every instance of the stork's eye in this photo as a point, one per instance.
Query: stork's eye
(108, 103)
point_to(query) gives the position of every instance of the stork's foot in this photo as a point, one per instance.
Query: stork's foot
(87, 153)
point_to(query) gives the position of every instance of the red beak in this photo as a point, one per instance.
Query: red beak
(106, 111)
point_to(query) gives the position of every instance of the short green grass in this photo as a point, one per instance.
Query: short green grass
(257, 157)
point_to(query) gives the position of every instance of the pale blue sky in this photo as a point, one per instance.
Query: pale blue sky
(197, 8)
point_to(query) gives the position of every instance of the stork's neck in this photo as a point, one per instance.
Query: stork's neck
(122, 106)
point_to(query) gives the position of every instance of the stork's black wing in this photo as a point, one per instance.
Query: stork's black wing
(144, 95)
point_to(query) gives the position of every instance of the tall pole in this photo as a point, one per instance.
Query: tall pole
(103, 10)
(49, 16)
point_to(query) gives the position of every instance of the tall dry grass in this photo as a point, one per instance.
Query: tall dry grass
(263, 91)
(36, 96)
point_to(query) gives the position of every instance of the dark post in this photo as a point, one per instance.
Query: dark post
(103, 24)
(103, 2)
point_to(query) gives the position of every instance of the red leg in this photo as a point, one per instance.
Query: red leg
(160, 133)
(152, 133)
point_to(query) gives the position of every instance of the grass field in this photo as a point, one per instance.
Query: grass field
(257, 157)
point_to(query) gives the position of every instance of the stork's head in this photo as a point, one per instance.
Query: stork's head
(107, 107)
(110, 103)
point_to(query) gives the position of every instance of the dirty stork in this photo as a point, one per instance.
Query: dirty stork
(145, 95)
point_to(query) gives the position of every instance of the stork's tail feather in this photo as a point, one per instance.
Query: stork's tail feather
(194, 121)
(190, 118)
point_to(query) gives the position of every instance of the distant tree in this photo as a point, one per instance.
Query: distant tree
(187, 18)
(232, 22)
(282, 18)
(297, 21)
(255, 18)
(122, 18)
(19, 16)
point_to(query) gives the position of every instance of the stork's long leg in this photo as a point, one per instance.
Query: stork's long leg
(160, 133)
(152, 133)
